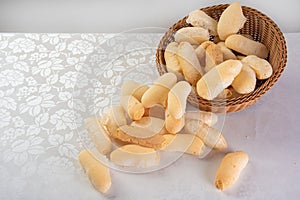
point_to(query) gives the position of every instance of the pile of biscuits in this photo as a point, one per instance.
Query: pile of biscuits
(230, 63)
(153, 118)
(150, 119)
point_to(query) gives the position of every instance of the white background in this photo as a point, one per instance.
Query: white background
(121, 15)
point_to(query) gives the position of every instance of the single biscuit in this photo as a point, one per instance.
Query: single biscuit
(227, 53)
(173, 125)
(263, 69)
(208, 118)
(158, 92)
(134, 108)
(177, 99)
(214, 56)
(231, 20)
(185, 143)
(189, 63)
(98, 135)
(132, 155)
(218, 78)
(134, 88)
(230, 169)
(192, 35)
(199, 18)
(210, 136)
(97, 173)
(140, 136)
(245, 82)
(246, 46)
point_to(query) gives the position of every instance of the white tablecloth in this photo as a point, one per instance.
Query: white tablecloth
(50, 82)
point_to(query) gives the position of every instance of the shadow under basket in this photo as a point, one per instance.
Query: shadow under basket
(262, 29)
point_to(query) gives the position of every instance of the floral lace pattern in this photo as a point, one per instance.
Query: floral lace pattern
(46, 83)
(49, 83)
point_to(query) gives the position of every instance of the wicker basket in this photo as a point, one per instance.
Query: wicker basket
(262, 29)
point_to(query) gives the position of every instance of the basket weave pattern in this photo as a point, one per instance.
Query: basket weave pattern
(262, 29)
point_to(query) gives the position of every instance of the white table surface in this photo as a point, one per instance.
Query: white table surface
(40, 123)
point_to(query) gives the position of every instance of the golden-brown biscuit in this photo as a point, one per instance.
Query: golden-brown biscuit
(172, 62)
(97, 173)
(134, 88)
(177, 99)
(214, 56)
(113, 118)
(231, 20)
(140, 136)
(192, 35)
(218, 78)
(245, 82)
(185, 143)
(262, 67)
(132, 155)
(153, 124)
(199, 18)
(230, 169)
(158, 92)
(210, 136)
(227, 53)
(208, 118)
(98, 135)
(173, 125)
(246, 46)
(189, 63)
(134, 108)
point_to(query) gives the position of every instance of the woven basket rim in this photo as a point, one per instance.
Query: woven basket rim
(250, 98)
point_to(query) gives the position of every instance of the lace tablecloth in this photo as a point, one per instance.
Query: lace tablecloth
(45, 89)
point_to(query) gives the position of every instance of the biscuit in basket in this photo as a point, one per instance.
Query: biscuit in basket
(262, 67)
(245, 82)
(214, 56)
(246, 46)
(227, 53)
(171, 59)
(199, 18)
(231, 20)
(192, 35)
(189, 63)
(218, 78)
